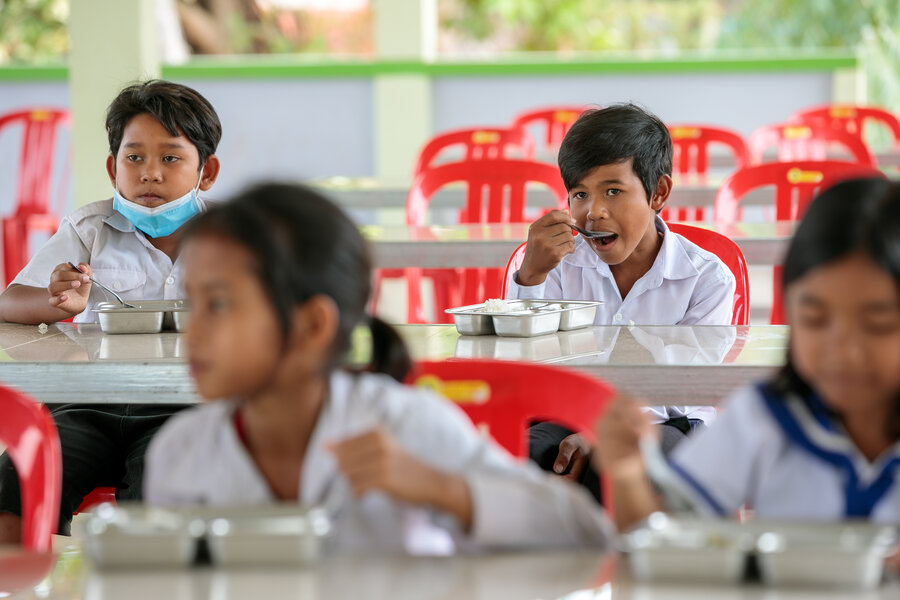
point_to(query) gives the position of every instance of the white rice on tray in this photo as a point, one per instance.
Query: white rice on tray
(496, 305)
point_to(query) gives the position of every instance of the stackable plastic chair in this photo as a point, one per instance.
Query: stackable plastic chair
(495, 193)
(851, 118)
(712, 241)
(32, 443)
(554, 120)
(690, 144)
(805, 141)
(796, 184)
(33, 209)
(478, 143)
(505, 397)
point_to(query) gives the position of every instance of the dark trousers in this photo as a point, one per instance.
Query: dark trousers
(102, 445)
(544, 440)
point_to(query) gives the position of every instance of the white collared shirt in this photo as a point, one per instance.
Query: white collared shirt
(686, 285)
(198, 458)
(788, 459)
(120, 256)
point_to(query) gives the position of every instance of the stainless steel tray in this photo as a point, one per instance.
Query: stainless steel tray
(149, 316)
(271, 535)
(663, 548)
(131, 535)
(524, 318)
(848, 555)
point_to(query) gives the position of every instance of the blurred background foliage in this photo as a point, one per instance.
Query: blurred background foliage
(34, 31)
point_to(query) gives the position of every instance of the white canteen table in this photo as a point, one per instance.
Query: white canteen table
(663, 365)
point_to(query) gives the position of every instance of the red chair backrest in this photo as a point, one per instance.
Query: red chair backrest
(506, 396)
(477, 144)
(796, 183)
(556, 121)
(851, 118)
(730, 254)
(805, 141)
(495, 189)
(36, 157)
(690, 161)
(720, 245)
(32, 443)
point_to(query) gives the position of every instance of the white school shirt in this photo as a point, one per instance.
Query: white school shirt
(198, 458)
(120, 256)
(787, 458)
(686, 285)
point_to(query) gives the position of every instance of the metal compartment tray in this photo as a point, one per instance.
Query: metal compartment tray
(149, 316)
(132, 535)
(524, 318)
(847, 555)
(664, 548)
(271, 535)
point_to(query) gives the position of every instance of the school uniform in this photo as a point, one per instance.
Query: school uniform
(686, 285)
(795, 462)
(198, 458)
(120, 256)
(103, 445)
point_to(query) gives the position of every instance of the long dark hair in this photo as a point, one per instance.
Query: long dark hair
(303, 245)
(855, 216)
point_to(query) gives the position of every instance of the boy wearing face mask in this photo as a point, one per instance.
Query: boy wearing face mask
(162, 142)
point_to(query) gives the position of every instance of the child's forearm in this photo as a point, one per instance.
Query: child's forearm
(632, 495)
(450, 493)
(29, 305)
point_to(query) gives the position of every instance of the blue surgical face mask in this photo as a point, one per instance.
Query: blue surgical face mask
(162, 220)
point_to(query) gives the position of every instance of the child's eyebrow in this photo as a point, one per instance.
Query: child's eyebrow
(167, 145)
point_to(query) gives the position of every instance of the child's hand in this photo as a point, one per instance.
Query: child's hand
(69, 289)
(549, 240)
(375, 461)
(618, 434)
(574, 454)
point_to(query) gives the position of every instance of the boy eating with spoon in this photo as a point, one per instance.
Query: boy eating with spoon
(616, 163)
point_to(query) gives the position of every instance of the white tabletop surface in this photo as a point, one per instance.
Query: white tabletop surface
(72, 363)
(569, 575)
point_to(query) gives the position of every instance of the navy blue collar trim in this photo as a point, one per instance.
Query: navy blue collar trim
(859, 501)
(695, 485)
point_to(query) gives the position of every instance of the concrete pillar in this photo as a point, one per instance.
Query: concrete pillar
(113, 43)
(404, 30)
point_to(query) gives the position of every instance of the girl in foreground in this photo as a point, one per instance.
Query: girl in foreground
(825, 444)
(278, 279)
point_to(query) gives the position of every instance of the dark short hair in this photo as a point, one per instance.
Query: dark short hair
(302, 246)
(178, 108)
(854, 216)
(612, 135)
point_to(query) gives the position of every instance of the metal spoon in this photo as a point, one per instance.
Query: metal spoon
(591, 234)
(119, 298)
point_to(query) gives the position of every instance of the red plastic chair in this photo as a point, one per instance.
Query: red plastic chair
(712, 241)
(495, 193)
(32, 443)
(555, 120)
(33, 208)
(477, 144)
(504, 397)
(805, 141)
(796, 183)
(690, 144)
(851, 118)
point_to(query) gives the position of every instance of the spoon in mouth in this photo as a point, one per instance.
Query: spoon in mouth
(119, 298)
(591, 234)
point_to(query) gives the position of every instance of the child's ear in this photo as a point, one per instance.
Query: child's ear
(314, 325)
(111, 169)
(663, 189)
(210, 172)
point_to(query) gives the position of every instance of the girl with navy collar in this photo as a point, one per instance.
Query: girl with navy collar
(825, 437)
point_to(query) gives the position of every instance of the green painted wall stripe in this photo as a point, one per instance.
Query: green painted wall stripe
(278, 67)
